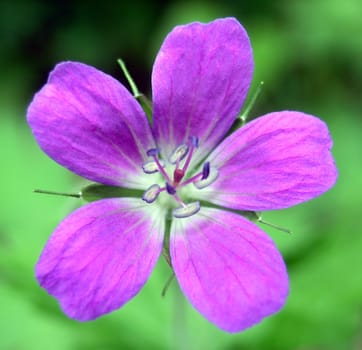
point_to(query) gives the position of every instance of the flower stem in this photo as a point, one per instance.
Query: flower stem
(181, 337)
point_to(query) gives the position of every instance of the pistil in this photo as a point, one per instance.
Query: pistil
(202, 179)
(178, 174)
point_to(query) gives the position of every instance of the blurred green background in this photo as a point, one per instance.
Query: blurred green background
(308, 53)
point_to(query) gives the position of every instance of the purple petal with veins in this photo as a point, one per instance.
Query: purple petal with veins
(100, 256)
(199, 82)
(88, 122)
(228, 268)
(273, 162)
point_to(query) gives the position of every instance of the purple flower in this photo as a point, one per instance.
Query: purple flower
(101, 255)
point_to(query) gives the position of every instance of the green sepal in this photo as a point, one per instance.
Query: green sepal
(251, 215)
(242, 118)
(96, 192)
(145, 103)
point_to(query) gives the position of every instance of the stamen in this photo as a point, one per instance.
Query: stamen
(186, 211)
(153, 152)
(194, 140)
(179, 200)
(152, 167)
(178, 154)
(190, 180)
(203, 175)
(205, 171)
(211, 177)
(151, 194)
(170, 189)
(202, 179)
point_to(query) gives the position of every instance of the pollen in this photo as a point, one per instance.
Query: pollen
(187, 210)
(151, 194)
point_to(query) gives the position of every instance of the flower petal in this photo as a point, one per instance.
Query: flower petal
(89, 123)
(274, 162)
(200, 79)
(228, 268)
(100, 256)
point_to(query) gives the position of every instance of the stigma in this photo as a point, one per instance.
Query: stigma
(180, 159)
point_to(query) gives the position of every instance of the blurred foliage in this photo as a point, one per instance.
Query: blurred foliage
(308, 53)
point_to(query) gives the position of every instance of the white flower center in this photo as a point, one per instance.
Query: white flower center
(180, 159)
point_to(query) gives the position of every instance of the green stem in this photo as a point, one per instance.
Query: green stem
(180, 330)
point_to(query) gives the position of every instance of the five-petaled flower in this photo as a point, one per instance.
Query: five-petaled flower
(193, 180)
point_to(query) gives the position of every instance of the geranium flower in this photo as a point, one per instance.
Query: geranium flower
(193, 183)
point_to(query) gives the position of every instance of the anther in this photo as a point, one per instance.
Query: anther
(205, 171)
(151, 194)
(194, 140)
(152, 167)
(186, 211)
(178, 154)
(152, 152)
(212, 174)
(170, 189)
